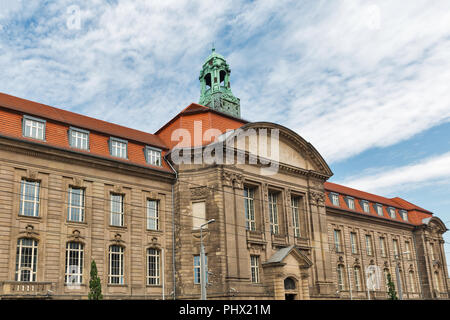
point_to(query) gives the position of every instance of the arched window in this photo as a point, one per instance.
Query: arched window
(357, 275)
(74, 263)
(412, 281)
(289, 284)
(341, 277)
(153, 266)
(116, 264)
(26, 258)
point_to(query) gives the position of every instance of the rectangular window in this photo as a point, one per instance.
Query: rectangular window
(26, 257)
(74, 263)
(118, 148)
(197, 269)
(249, 206)
(335, 199)
(198, 214)
(357, 274)
(351, 203)
(254, 268)
(273, 213)
(33, 128)
(79, 138)
(75, 208)
(391, 212)
(383, 246)
(337, 240)
(354, 242)
(295, 205)
(340, 276)
(395, 248)
(152, 214)
(117, 210)
(153, 266)
(379, 209)
(29, 198)
(115, 264)
(369, 244)
(404, 215)
(153, 156)
(408, 250)
(365, 206)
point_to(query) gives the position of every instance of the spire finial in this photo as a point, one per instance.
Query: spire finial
(213, 47)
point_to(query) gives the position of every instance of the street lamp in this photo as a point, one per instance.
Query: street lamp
(202, 261)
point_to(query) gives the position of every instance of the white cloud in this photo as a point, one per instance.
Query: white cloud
(427, 172)
(348, 76)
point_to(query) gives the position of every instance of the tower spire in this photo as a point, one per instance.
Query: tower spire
(215, 91)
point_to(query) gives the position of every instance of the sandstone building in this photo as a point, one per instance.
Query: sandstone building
(75, 189)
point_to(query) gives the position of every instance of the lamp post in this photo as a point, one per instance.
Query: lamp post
(203, 270)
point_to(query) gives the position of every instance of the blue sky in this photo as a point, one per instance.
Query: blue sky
(367, 82)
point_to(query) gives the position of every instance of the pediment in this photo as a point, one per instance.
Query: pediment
(289, 255)
(277, 143)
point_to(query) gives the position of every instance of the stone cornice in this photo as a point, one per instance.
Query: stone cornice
(63, 155)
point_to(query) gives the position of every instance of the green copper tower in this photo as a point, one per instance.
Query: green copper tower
(215, 86)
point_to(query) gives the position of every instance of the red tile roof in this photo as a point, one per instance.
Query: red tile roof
(78, 120)
(415, 213)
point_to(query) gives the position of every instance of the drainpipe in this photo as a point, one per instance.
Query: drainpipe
(163, 274)
(173, 230)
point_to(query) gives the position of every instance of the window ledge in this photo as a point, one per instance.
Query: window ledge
(116, 285)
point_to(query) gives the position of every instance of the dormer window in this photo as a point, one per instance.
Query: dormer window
(404, 214)
(118, 148)
(350, 203)
(391, 212)
(153, 156)
(365, 206)
(79, 138)
(33, 128)
(334, 199)
(379, 209)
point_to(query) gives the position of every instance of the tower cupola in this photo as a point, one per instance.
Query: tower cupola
(215, 86)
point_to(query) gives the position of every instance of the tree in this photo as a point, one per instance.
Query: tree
(391, 288)
(95, 287)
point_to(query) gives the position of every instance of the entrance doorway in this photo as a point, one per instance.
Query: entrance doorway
(290, 296)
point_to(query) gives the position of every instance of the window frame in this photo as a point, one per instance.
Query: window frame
(155, 218)
(338, 241)
(332, 197)
(147, 158)
(249, 208)
(340, 270)
(364, 205)
(118, 140)
(392, 213)
(122, 213)
(383, 251)
(36, 195)
(30, 118)
(354, 242)
(71, 139)
(379, 209)
(198, 269)
(82, 207)
(403, 214)
(369, 252)
(273, 212)
(19, 261)
(254, 268)
(296, 215)
(80, 261)
(156, 277)
(349, 200)
(121, 267)
(357, 277)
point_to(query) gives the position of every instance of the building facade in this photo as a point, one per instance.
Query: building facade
(75, 189)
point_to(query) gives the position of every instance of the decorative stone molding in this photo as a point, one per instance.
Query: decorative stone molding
(317, 198)
(199, 192)
(118, 189)
(118, 239)
(32, 174)
(76, 235)
(29, 232)
(232, 179)
(77, 182)
(154, 243)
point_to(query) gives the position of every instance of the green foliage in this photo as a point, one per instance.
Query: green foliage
(391, 288)
(95, 287)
